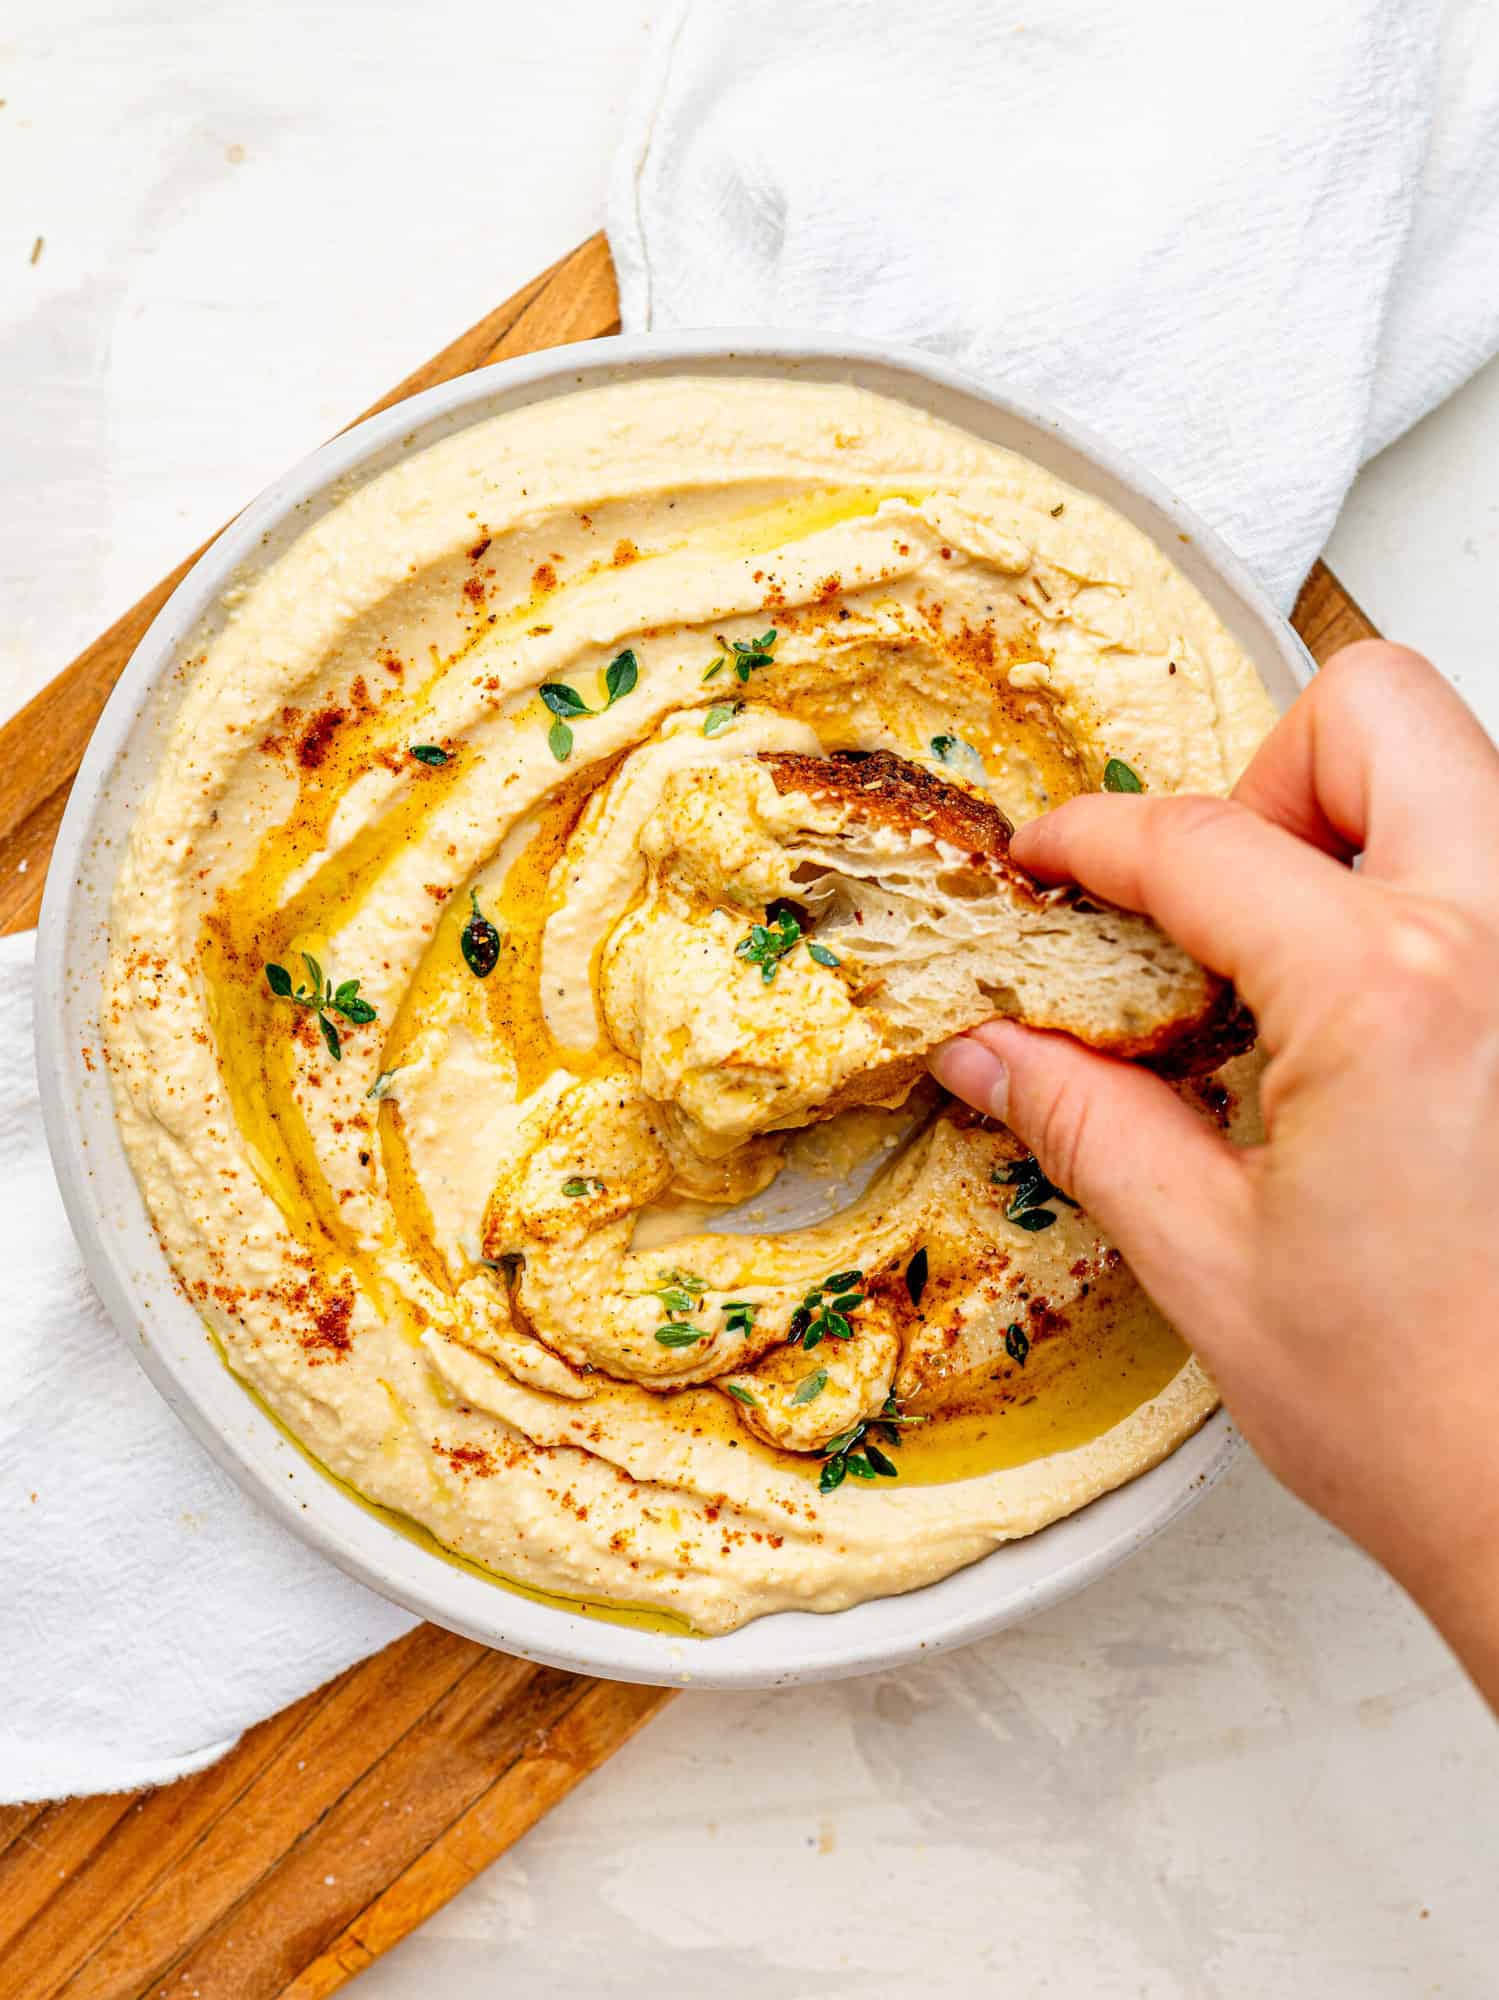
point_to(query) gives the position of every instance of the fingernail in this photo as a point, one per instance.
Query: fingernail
(974, 1073)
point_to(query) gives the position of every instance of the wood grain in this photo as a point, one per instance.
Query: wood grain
(334, 1828)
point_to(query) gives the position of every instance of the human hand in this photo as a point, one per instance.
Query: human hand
(1341, 1281)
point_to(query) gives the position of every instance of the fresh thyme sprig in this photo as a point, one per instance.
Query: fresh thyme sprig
(1027, 1209)
(324, 998)
(767, 944)
(747, 655)
(567, 705)
(678, 1291)
(824, 1313)
(854, 1451)
(679, 1294)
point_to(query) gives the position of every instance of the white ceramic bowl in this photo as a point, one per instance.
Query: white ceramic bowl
(107, 1214)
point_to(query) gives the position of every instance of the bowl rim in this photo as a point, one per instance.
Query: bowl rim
(783, 1647)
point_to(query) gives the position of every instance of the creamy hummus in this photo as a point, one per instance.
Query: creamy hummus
(532, 1234)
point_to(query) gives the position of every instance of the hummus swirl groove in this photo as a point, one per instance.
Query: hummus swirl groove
(527, 1248)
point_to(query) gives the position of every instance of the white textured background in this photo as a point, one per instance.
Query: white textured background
(1240, 1766)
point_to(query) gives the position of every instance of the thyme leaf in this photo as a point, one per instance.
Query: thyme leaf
(479, 941)
(1119, 777)
(916, 1275)
(677, 1335)
(430, 753)
(1033, 1191)
(622, 674)
(578, 1185)
(562, 700)
(810, 1386)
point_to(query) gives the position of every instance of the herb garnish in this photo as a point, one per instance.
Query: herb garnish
(429, 753)
(824, 1312)
(580, 1184)
(1033, 1190)
(747, 655)
(916, 1272)
(382, 1083)
(742, 1395)
(479, 941)
(810, 1386)
(869, 1463)
(719, 717)
(767, 944)
(1118, 777)
(959, 756)
(679, 1292)
(739, 1315)
(752, 653)
(678, 1335)
(567, 704)
(1017, 1344)
(324, 999)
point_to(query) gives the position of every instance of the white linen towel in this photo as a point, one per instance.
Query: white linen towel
(150, 1611)
(1248, 245)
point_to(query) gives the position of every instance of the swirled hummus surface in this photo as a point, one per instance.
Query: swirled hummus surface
(520, 1191)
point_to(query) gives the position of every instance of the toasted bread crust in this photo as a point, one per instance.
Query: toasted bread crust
(884, 788)
(887, 790)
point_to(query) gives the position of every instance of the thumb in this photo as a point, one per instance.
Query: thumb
(1168, 1191)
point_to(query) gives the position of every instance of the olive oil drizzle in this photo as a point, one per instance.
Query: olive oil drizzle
(1099, 1377)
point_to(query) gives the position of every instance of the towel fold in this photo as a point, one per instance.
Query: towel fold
(1248, 246)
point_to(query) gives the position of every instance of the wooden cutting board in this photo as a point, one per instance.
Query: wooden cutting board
(334, 1828)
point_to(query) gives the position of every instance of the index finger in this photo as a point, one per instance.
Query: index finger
(1382, 757)
(1247, 898)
